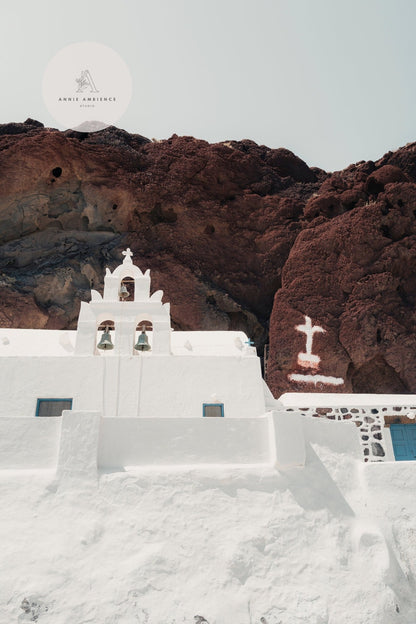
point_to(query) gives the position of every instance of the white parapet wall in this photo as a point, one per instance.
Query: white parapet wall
(79, 442)
(340, 436)
(183, 441)
(83, 442)
(287, 439)
(29, 443)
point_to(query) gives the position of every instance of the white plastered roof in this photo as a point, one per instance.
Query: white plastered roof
(53, 342)
(327, 399)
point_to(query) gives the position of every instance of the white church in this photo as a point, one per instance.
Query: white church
(125, 390)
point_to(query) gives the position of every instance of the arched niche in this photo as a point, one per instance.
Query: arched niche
(148, 327)
(103, 326)
(127, 283)
(108, 323)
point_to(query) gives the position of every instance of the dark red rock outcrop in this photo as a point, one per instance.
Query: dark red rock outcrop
(352, 269)
(236, 234)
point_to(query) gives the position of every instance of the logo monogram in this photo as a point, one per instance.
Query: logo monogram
(86, 81)
(86, 86)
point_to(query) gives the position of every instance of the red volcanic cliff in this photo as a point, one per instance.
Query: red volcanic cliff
(239, 236)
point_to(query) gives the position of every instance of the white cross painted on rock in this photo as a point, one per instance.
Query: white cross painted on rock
(307, 358)
(309, 330)
(311, 361)
(128, 255)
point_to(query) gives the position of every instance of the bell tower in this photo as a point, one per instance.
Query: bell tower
(125, 316)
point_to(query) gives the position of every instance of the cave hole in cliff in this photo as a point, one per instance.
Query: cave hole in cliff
(57, 172)
(374, 187)
(385, 230)
(160, 214)
(405, 296)
(114, 206)
(350, 205)
(377, 376)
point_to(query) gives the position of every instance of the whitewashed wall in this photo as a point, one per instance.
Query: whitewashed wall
(80, 442)
(29, 443)
(176, 387)
(25, 379)
(168, 386)
(148, 441)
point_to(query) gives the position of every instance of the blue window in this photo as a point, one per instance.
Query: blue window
(52, 407)
(403, 438)
(213, 409)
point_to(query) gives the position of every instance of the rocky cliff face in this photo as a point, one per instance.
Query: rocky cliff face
(239, 236)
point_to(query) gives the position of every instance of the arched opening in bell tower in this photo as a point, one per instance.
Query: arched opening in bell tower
(126, 290)
(105, 336)
(143, 336)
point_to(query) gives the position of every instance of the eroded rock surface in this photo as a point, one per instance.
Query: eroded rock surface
(353, 269)
(236, 234)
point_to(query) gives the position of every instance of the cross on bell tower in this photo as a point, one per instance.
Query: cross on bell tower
(127, 256)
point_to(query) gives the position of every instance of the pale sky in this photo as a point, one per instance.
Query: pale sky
(331, 80)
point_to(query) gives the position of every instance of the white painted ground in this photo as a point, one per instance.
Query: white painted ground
(333, 543)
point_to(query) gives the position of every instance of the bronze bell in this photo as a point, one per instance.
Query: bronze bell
(105, 341)
(142, 343)
(123, 292)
